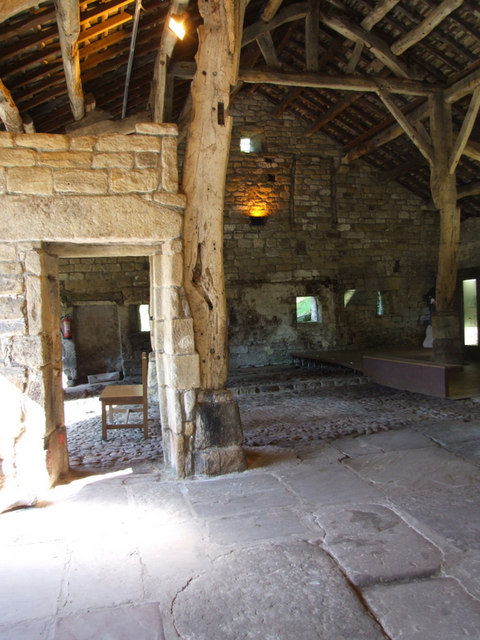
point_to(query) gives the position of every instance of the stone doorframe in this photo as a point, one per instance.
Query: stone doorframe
(86, 196)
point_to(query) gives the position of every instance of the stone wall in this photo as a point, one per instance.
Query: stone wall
(81, 197)
(329, 229)
(92, 285)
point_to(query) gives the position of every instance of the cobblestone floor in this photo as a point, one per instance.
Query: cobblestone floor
(279, 407)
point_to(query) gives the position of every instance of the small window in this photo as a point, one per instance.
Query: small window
(347, 296)
(144, 312)
(380, 307)
(308, 309)
(251, 143)
(246, 145)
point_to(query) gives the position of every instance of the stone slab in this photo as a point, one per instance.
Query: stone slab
(469, 450)
(329, 485)
(35, 629)
(138, 622)
(449, 432)
(273, 592)
(255, 527)
(30, 581)
(400, 440)
(237, 495)
(373, 544)
(435, 609)
(400, 472)
(453, 513)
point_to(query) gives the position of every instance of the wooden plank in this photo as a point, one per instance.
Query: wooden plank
(68, 21)
(433, 19)
(465, 131)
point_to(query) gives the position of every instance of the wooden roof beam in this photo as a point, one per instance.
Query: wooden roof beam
(289, 14)
(9, 113)
(472, 189)
(419, 32)
(270, 9)
(345, 83)
(465, 131)
(417, 135)
(165, 51)
(379, 12)
(312, 29)
(68, 20)
(376, 45)
(9, 8)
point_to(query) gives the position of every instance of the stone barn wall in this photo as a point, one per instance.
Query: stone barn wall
(330, 229)
(96, 286)
(72, 197)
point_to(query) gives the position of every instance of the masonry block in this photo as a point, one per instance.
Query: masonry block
(117, 160)
(182, 371)
(43, 141)
(179, 336)
(30, 180)
(127, 181)
(81, 181)
(118, 142)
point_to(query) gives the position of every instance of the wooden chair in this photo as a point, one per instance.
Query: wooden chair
(122, 398)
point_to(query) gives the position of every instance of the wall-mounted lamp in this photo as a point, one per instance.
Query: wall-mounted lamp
(258, 215)
(176, 24)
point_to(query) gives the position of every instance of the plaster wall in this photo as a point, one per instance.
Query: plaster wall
(330, 228)
(83, 196)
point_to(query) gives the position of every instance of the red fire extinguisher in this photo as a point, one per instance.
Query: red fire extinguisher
(66, 327)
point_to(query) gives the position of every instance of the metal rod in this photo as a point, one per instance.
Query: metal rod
(138, 7)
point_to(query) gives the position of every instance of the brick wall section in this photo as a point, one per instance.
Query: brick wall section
(331, 228)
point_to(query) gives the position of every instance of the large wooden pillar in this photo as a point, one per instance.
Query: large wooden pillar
(218, 432)
(445, 322)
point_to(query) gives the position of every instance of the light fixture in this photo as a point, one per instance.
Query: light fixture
(258, 214)
(176, 24)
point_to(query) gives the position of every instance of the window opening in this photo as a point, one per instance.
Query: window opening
(347, 296)
(246, 145)
(380, 307)
(308, 309)
(144, 313)
(470, 321)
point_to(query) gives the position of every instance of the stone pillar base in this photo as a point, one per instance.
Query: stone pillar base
(447, 344)
(218, 434)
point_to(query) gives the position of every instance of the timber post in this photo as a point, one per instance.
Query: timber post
(218, 431)
(445, 321)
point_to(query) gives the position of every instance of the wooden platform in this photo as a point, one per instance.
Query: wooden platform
(405, 369)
